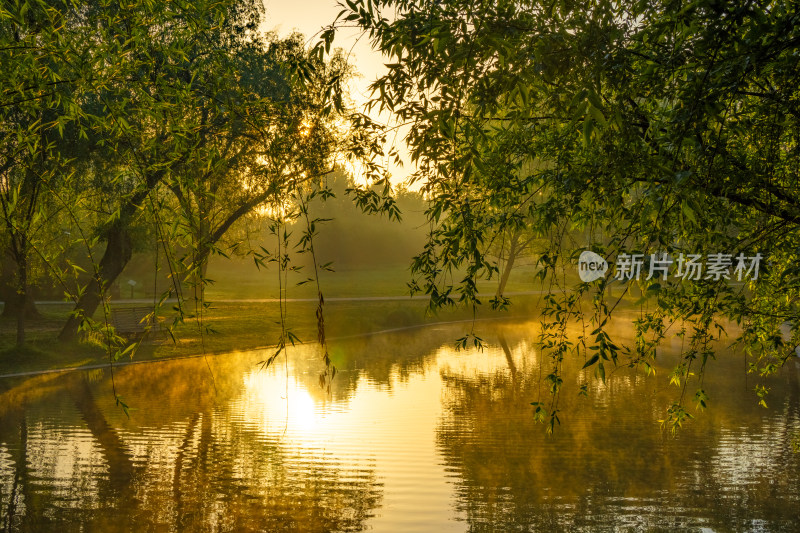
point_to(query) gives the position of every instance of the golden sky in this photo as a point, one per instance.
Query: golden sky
(309, 17)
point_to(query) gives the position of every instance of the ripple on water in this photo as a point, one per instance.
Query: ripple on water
(414, 437)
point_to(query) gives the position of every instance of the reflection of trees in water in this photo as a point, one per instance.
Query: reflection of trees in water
(189, 460)
(608, 465)
(226, 474)
(387, 359)
(184, 462)
(198, 467)
(19, 494)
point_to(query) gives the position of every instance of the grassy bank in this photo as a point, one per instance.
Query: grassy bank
(235, 325)
(238, 323)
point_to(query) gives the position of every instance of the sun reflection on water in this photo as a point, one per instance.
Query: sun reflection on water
(269, 391)
(414, 436)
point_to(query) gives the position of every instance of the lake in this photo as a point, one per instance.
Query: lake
(414, 436)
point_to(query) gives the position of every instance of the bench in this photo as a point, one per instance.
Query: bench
(132, 321)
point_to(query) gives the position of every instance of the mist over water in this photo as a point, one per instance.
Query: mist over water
(413, 437)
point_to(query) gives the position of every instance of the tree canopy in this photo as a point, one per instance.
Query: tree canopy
(154, 125)
(631, 129)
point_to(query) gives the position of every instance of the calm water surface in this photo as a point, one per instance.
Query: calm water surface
(413, 437)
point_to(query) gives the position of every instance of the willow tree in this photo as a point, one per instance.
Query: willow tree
(171, 58)
(662, 127)
(209, 111)
(278, 130)
(46, 67)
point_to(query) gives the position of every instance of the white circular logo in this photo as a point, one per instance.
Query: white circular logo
(591, 266)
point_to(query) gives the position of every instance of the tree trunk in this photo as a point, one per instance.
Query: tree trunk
(119, 249)
(9, 294)
(22, 298)
(202, 253)
(11, 307)
(204, 258)
(117, 254)
(10, 298)
(513, 251)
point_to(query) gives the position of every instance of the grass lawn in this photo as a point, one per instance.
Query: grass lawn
(239, 279)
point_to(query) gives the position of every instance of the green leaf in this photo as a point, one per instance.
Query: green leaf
(590, 362)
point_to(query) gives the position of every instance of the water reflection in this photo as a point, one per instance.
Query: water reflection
(413, 437)
(187, 460)
(608, 467)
